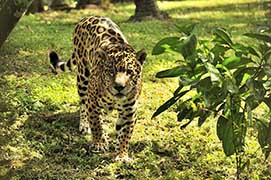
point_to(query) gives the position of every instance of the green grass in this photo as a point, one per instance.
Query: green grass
(39, 137)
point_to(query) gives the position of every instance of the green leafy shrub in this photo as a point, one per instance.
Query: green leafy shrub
(222, 79)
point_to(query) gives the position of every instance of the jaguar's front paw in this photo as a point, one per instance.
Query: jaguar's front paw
(101, 144)
(84, 128)
(99, 147)
(124, 159)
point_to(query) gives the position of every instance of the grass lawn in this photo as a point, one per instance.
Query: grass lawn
(39, 136)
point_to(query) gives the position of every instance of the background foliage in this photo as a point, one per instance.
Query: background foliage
(224, 80)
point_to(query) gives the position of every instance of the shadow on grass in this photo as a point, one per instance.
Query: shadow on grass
(55, 149)
(62, 151)
(20, 61)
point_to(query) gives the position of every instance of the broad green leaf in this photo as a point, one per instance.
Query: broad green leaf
(173, 43)
(231, 60)
(263, 48)
(239, 127)
(220, 127)
(227, 143)
(176, 92)
(245, 50)
(264, 136)
(261, 37)
(240, 49)
(186, 124)
(267, 70)
(219, 49)
(242, 74)
(187, 81)
(246, 76)
(211, 93)
(267, 84)
(252, 102)
(213, 98)
(268, 139)
(262, 132)
(225, 134)
(184, 113)
(204, 84)
(257, 88)
(265, 29)
(203, 115)
(267, 101)
(253, 51)
(189, 46)
(213, 71)
(223, 35)
(249, 114)
(230, 84)
(235, 62)
(173, 72)
(186, 29)
(235, 104)
(228, 81)
(250, 84)
(199, 70)
(267, 55)
(186, 45)
(168, 103)
(220, 107)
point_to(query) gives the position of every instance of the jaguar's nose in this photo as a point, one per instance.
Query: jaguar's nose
(120, 81)
(119, 87)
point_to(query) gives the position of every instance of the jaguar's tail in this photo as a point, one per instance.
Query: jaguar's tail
(58, 65)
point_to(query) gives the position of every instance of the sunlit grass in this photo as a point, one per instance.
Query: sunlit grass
(167, 5)
(39, 137)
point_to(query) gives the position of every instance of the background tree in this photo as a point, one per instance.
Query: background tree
(60, 5)
(36, 6)
(82, 4)
(121, 1)
(147, 9)
(267, 8)
(10, 14)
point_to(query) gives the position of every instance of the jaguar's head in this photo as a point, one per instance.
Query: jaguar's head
(124, 73)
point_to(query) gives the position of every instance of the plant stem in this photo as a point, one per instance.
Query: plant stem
(238, 165)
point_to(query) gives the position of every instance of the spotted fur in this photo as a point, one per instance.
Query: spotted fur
(108, 77)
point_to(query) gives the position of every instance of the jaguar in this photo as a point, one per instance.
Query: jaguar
(109, 77)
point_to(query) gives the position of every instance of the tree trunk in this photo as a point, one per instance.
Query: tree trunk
(267, 8)
(36, 6)
(10, 13)
(83, 4)
(59, 5)
(121, 1)
(147, 9)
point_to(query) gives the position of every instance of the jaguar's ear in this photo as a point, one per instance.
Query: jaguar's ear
(141, 55)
